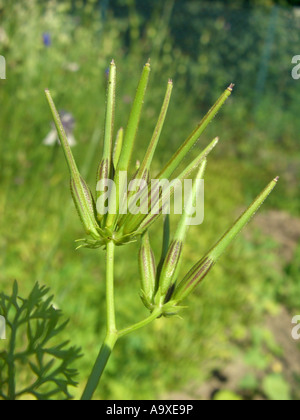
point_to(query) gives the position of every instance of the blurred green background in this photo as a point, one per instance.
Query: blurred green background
(234, 341)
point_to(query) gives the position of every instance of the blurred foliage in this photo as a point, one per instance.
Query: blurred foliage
(289, 293)
(66, 46)
(227, 396)
(276, 388)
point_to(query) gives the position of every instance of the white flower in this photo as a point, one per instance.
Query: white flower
(73, 67)
(68, 123)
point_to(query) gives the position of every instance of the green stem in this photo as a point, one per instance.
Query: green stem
(155, 314)
(112, 335)
(11, 363)
(111, 332)
(102, 359)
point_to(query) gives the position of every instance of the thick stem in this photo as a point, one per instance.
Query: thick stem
(102, 359)
(110, 300)
(111, 332)
(11, 364)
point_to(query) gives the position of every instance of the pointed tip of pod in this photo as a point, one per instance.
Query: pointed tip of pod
(276, 179)
(230, 87)
(149, 61)
(112, 61)
(47, 90)
(170, 81)
(213, 144)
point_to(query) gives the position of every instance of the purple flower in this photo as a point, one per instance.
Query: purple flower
(47, 39)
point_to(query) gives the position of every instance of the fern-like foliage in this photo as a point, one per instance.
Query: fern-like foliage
(34, 364)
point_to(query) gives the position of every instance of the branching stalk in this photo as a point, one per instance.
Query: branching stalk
(112, 334)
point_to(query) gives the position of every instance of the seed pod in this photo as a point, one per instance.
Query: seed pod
(109, 117)
(105, 169)
(147, 271)
(194, 136)
(146, 163)
(165, 243)
(200, 270)
(142, 222)
(118, 147)
(172, 261)
(102, 176)
(193, 278)
(85, 208)
(170, 267)
(128, 142)
(80, 191)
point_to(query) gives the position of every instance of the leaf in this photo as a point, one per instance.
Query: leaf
(249, 382)
(33, 339)
(276, 388)
(226, 395)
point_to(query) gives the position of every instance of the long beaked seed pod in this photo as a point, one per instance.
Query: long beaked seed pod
(170, 267)
(165, 245)
(143, 222)
(193, 278)
(200, 270)
(81, 194)
(147, 271)
(146, 163)
(89, 225)
(103, 174)
(110, 113)
(133, 122)
(105, 168)
(183, 224)
(128, 142)
(118, 147)
(172, 261)
(173, 163)
(109, 118)
(143, 171)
